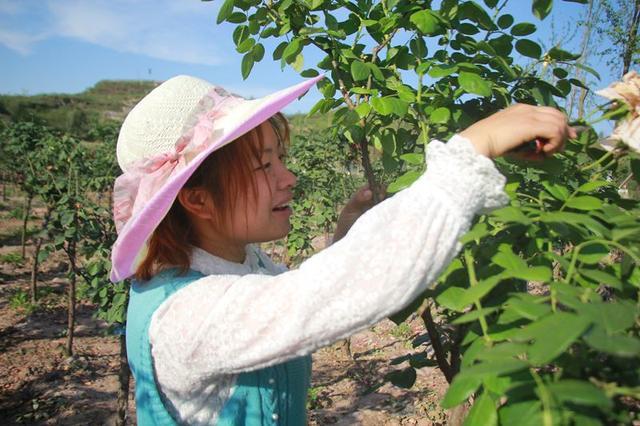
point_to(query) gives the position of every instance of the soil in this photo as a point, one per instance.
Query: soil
(41, 385)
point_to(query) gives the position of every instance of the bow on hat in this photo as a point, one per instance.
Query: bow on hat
(147, 176)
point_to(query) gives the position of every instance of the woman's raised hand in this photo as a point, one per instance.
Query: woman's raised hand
(506, 130)
(360, 202)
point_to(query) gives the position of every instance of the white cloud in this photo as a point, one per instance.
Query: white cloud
(20, 42)
(180, 31)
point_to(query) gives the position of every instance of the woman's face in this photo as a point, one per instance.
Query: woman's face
(267, 214)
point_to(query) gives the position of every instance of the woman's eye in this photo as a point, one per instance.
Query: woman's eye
(264, 166)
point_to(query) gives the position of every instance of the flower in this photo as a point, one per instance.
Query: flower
(627, 91)
(628, 129)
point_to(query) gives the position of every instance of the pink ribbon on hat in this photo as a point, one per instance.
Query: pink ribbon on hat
(147, 176)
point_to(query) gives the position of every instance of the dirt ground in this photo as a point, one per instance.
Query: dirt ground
(40, 385)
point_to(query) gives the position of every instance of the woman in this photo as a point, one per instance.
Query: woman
(216, 332)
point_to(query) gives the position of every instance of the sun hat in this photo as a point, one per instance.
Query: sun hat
(163, 140)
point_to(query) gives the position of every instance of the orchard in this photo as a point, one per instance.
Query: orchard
(537, 322)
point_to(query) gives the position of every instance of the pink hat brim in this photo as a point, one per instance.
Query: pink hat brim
(130, 247)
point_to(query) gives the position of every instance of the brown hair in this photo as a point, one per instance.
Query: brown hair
(228, 173)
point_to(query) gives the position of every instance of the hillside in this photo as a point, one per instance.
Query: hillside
(108, 100)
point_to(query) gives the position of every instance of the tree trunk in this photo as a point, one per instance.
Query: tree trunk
(25, 219)
(124, 377)
(71, 306)
(630, 48)
(34, 269)
(434, 337)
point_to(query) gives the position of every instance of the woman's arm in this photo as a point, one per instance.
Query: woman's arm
(229, 324)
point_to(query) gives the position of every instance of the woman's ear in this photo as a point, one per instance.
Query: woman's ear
(196, 201)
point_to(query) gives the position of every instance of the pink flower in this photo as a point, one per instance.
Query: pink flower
(627, 130)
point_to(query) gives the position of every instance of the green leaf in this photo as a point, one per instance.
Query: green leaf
(614, 317)
(413, 158)
(579, 392)
(574, 219)
(469, 29)
(527, 308)
(418, 47)
(258, 52)
(451, 299)
(559, 192)
(473, 83)
(541, 8)
(529, 48)
(602, 277)
(511, 214)
(246, 45)
(560, 73)
(440, 115)
(390, 105)
(375, 71)
(292, 50)
(567, 328)
(478, 231)
(298, 63)
(494, 367)
(363, 109)
(308, 73)
(526, 413)
(247, 65)
(584, 202)
(593, 253)
(237, 18)
(225, 11)
(587, 68)
(359, 70)
(473, 315)
(403, 181)
(619, 345)
(482, 413)
(443, 70)
(426, 21)
(562, 55)
(461, 388)
(476, 13)
(593, 185)
(500, 351)
(402, 378)
(509, 260)
(505, 21)
(523, 29)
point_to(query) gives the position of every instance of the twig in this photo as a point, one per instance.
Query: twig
(434, 337)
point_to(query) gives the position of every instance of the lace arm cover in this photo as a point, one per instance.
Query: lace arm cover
(225, 324)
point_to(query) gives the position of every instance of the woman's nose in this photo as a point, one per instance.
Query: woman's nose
(287, 179)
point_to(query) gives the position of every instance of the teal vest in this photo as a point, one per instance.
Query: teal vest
(274, 395)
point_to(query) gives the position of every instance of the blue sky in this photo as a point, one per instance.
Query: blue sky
(66, 46)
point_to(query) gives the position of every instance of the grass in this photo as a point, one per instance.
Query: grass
(314, 398)
(13, 258)
(17, 213)
(402, 331)
(21, 301)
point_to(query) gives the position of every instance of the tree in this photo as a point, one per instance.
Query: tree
(619, 27)
(525, 304)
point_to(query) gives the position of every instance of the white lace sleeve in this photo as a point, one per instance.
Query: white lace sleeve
(225, 324)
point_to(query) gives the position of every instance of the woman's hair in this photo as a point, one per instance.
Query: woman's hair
(228, 174)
